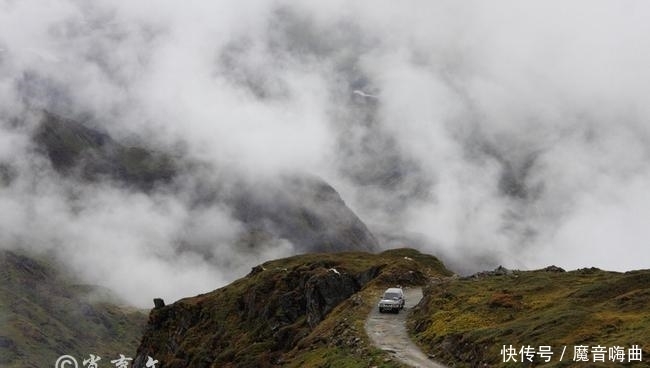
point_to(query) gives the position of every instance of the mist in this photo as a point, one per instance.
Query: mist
(508, 133)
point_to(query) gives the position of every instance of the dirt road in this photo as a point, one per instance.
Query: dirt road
(388, 332)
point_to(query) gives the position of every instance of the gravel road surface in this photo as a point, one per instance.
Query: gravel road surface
(388, 332)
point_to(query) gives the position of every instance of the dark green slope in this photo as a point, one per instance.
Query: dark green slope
(45, 314)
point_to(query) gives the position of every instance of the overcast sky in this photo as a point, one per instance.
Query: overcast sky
(493, 133)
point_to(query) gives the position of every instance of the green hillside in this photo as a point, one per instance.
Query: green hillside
(467, 321)
(45, 314)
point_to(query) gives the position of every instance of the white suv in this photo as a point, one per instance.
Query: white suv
(392, 300)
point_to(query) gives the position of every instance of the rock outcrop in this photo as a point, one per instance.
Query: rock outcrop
(275, 309)
(278, 307)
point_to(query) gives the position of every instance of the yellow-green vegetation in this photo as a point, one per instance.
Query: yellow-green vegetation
(466, 322)
(303, 311)
(44, 314)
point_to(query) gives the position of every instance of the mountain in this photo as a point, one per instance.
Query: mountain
(301, 208)
(75, 148)
(45, 313)
(310, 310)
(468, 321)
(304, 210)
(306, 310)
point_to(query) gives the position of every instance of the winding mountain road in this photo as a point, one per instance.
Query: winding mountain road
(388, 332)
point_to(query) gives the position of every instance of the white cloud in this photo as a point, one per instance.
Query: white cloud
(501, 132)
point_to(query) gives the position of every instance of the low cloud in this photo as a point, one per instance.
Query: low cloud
(486, 134)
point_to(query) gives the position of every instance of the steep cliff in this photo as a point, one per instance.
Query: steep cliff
(298, 311)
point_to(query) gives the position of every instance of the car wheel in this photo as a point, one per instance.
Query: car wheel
(381, 310)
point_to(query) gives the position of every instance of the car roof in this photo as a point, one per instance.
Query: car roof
(393, 290)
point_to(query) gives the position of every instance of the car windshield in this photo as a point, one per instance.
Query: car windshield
(391, 295)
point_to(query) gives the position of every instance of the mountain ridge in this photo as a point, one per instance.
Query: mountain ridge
(304, 310)
(298, 207)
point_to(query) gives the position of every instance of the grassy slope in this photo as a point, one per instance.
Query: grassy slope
(467, 321)
(43, 315)
(242, 316)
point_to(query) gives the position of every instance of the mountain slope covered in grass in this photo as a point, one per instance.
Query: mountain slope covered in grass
(467, 321)
(45, 314)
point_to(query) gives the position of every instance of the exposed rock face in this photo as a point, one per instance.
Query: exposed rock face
(158, 303)
(326, 291)
(554, 268)
(284, 312)
(499, 271)
(272, 307)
